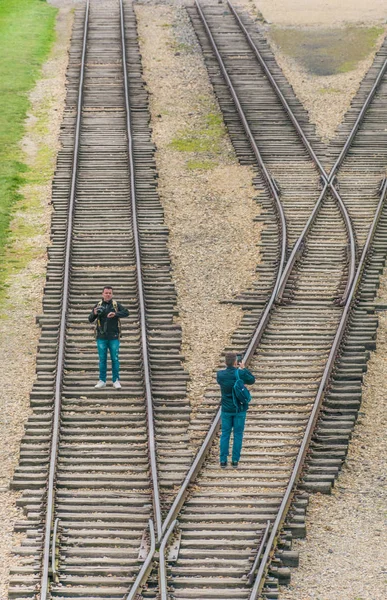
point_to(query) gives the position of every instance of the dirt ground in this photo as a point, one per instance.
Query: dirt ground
(322, 22)
(322, 12)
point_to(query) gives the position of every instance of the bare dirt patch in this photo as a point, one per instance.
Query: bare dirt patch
(326, 97)
(322, 12)
(207, 196)
(26, 263)
(292, 27)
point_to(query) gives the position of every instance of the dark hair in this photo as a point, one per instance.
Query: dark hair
(107, 287)
(230, 359)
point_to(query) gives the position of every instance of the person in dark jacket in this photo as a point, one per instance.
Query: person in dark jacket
(107, 312)
(230, 418)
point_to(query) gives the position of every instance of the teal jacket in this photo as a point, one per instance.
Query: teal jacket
(226, 379)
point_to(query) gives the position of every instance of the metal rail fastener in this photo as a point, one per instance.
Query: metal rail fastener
(163, 564)
(146, 566)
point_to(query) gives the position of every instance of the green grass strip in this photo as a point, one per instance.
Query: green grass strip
(27, 30)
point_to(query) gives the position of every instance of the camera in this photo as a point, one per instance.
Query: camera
(239, 358)
(100, 310)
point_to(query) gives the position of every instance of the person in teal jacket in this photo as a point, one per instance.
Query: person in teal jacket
(230, 418)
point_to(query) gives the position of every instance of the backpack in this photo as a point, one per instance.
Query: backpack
(240, 394)
(98, 321)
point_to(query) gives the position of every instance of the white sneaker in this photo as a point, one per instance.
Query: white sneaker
(100, 384)
(117, 385)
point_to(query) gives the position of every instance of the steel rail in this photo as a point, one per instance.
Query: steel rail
(328, 179)
(53, 547)
(140, 287)
(211, 434)
(206, 445)
(347, 298)
(250, 576)
(163, 584)
(299, 464)
(62, 332)
(201, 455)
(146, 566)
(332, 173)
(360, 117)
(267, 176)
(300, 244)
(202, 452)
(277, 90)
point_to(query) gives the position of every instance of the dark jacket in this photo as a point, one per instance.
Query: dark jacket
(108, 329)
(226, 379)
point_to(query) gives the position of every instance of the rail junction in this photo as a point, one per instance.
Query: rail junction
(107, 478)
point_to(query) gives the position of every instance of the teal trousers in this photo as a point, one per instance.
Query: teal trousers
(235, 423)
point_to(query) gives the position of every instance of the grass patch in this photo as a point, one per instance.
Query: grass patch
(26, 36)
(180, 47)
(204, 139)
(327, 51)
(183, 48)
(23, 244)
(200, 165)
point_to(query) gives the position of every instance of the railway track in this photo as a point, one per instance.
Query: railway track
(102, 496)
(226, 515)
(105, 478)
